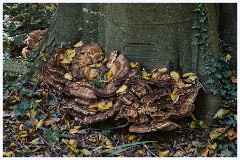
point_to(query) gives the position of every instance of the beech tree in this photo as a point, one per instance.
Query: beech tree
(152, 34)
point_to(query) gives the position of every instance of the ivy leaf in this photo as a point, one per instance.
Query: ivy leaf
(22, 108)
(52, 136)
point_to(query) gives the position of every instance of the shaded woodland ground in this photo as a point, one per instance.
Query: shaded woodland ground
(34, 125)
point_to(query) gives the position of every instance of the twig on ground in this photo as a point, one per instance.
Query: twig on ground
(149, 150)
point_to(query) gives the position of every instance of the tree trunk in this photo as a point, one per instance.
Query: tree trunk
(152, 34)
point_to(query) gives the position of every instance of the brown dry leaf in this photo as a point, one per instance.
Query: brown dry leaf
(234, 79)
(51, 121)
(164, 153)
(205, 152)
(122, 89)
(175, 76)
(231, 134)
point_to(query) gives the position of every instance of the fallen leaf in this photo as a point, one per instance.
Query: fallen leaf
(217, 132)
(234, 79)
(164, 153)
(22, 134)
(79, 44)
(68, 76)
(73, 131)
(174, 95)
(16, 98)
(145, 75)
(122, 89)
(51, 121)
(43, 56)
(175, 76)
(38, 101)
(212, 146)
(231, 134)
(221, 113)
(185, 75)
(35, 140)
(103, 107)
(131, 137)
(40, 123)
(86, 152)
(205, 152)
(22, 127)
(141, 152)
(193, 124)
(32, 79)
(8, 154)
(97, 65)
(12, 145)
(228, 57)
(134, 64)
(109, 75)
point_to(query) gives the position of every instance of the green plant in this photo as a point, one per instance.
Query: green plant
(52, 136)
(220, 78)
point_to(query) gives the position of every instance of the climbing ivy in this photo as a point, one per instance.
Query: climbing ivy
(220, 76)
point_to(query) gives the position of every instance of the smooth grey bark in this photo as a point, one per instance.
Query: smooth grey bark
(152, 34)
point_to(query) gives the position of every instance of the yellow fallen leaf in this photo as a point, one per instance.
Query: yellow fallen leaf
(193, 124)
(40, 123)
(134, 64)
(77, 127)
(164, 153)
(38, 101)
(192, 78)
(103, 107)
(35, 140)
(79, 44)
(175, 76)
(33, 79)
(109, 75)
(228, 57)
(23, 134)
(174, 94)
(73, 131)
(67, 57)
(68, 76)
(12, 145)
(212, 146)
(122, 89)
(43, 56)
(8, 154)
(131, 137)
(185, 75)
(16, 98)
(108, 144)
(97, 65)
(72, 142)
(86, 152)
(141, 152)
(217, 132)
(22, 127)
(221, 113)
(145, 75)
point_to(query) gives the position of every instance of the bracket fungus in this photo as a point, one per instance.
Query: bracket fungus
(100, 87)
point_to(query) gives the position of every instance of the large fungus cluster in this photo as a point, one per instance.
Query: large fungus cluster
(100, 87)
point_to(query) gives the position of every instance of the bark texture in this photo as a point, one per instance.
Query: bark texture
(152, 34)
